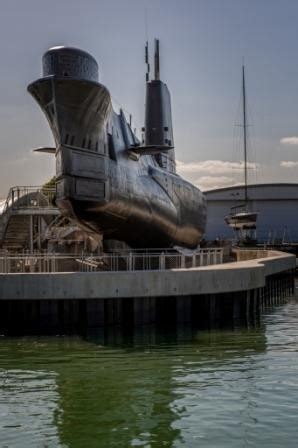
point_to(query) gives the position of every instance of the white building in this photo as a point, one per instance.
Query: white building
(277, 205)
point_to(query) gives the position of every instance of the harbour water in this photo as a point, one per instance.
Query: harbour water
(234, 387)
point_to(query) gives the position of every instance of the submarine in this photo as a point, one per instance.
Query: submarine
(107, 180)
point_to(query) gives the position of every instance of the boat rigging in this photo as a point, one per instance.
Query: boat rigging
(243, 221)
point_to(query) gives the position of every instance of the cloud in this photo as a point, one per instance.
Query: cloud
(288, 164)
(289, 141)
(209, 182)
(212, 167)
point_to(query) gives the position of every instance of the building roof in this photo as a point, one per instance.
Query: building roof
(270, 191)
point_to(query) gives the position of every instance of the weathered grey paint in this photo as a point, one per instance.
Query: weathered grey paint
(107, 180)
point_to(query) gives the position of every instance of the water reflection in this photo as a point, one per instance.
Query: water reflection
(220, 388)
(126, 395)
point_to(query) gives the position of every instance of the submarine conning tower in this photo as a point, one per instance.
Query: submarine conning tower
(158, 130)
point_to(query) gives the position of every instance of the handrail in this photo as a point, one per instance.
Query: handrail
(25, 197)
(153, 252)
(51, 262)
(18, 192)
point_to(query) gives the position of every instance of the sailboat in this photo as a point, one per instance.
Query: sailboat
(241, 219)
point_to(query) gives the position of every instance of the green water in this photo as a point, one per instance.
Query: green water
(219, 389)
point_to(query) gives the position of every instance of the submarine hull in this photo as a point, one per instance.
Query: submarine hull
(123, 203)
(104, 181)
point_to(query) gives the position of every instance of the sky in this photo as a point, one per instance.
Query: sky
(203, 44)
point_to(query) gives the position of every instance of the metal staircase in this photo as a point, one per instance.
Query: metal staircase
(27, 211)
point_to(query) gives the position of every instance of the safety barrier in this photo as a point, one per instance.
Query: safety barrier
(129, 261)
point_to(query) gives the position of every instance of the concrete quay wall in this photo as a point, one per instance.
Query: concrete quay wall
(238, 276)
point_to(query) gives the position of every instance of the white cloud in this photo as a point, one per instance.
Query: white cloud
(208, 182)
(289, 141)
(212, 167)
(288, 164)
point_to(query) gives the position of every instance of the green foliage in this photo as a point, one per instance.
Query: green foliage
(49, 190)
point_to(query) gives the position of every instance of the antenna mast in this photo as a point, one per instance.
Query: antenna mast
(244, 135)
(156, 61)
(147, 62)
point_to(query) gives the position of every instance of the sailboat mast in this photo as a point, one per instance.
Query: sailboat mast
(244, 135)
(245, 220)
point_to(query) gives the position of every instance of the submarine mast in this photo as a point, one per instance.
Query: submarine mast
(158, 130)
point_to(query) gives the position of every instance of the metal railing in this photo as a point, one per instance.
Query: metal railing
(25, 200)
(29, 197)
(46, 263)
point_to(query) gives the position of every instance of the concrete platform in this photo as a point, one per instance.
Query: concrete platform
(238, 276)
